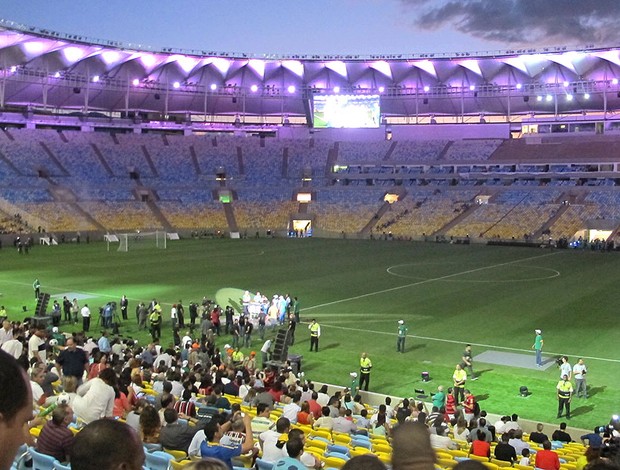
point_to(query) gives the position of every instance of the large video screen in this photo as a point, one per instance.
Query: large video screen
(350, 111)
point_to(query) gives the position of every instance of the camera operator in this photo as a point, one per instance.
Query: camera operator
(579, 374)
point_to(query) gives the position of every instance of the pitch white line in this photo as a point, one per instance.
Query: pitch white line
(481, 345)
(419, 283)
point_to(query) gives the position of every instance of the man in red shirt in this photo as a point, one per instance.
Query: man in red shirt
(315, 408)
(469, 404)
(547, 459)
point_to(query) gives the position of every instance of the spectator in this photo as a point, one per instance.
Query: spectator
(442, 441)
(561, 434)
(525, 458)
(546, 459)
(411, 448)
(271, 442)
(480, 446)
(91, 448)
(56, 438)
(261, 422)
(517, 442)
(211, 447)
(15, 408)
(176, 435)
(294, 449)
(325, 421)
(504, 451)
(538, 436)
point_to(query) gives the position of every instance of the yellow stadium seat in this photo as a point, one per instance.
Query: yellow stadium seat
(501, 463)
(321, 433)
(177, 454)
(385, 458)
(523, 467)
(385, 448)
(440, 454)
(355, 451)
(490, 465)
(456, 453)
(317, 444)
(478, 458)
(446, 463)
(333, 462)
(179, 465)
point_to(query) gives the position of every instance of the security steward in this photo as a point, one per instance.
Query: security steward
(565, 393)
(315, 334)
(365, 366)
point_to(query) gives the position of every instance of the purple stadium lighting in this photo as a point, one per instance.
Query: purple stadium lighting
(135, 82)
(565, 83)
(614, 81)
(95, 78)
(13, 69)
(291, 89)
(569, 97)
(539, 98)
(426, 88)
(336, 89)
(254, 88)
(56, 75)
(586, 96)
(549, 98)
(176, 85)
(472, 87)
(213, 87)
(519, 86)
(381, 89)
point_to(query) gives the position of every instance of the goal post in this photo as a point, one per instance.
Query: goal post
(142, 240)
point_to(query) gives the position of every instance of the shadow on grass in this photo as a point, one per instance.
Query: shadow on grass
(481, 372)
(415, 347)
(330, 346)
(235, 304)
(596, 390)
(581, 410)
(484, 396)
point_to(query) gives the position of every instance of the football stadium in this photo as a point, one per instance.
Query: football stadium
(432, 201)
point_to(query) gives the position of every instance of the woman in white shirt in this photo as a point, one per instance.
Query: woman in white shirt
(95, 399)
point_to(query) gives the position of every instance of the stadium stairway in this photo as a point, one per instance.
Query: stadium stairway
(52, 157)
(149, 161)
(229, 212)
(552, 220)
(192, 152)
(102, 159)
(457, 220)
(374, 220)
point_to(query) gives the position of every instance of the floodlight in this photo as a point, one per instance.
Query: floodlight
(213, 87)
(539, 98)
(336, 89)
(427, 88)
(176, 85)
(569, 97)
(56, 75)
(519, 86)
(472, 87)
(565, 84)
(136, 82)
(381, 89)
(14, 69)
(95, 78)
(291, 89)
(587, 96)
(254, 88)
(614, 81)
(549, 98)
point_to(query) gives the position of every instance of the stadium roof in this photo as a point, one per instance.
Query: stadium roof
(44, 69)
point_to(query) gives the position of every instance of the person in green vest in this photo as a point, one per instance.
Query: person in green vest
(402, 335)
(315, 334)
(36, 285)
(365, 366)
(155, 322)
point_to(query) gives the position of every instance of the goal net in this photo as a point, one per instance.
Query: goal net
(141, 240)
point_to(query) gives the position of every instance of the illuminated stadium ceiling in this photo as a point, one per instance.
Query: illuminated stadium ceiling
(44, 69)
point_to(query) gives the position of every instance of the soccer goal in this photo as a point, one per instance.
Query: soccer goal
(141, 240)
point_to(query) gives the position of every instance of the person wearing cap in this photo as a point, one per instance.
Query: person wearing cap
(365, 366)
(402, 335)
(315, 334)
(537, 346)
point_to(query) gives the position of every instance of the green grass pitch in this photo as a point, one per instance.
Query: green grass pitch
(492, 297)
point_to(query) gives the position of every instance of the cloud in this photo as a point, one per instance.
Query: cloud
(523, 22)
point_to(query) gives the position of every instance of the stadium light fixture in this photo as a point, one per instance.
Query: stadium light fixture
(519, 86)
(426, 88)
(549, 98)
(135, 82)
(614, 81)
(95, 78)
(291, 89)
(14, 69)
(213, 87)
(336, 89)
(565, 83)
(472, 87)
(176, 85)
(587, 96)
(254, 88)
(381, 89)
(539, 98)
(569, 97)
(56, 75)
